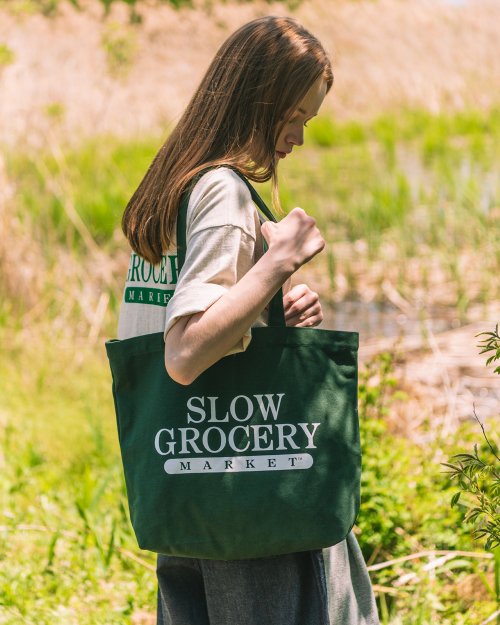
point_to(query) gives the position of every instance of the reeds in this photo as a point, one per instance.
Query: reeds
(386, 55)
(409, 206)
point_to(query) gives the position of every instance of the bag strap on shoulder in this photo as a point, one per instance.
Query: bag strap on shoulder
(276, 312)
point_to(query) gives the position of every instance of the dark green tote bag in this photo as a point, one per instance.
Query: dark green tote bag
(259, 456)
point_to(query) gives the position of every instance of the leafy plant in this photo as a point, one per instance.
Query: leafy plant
(478, 478)
(491, 344)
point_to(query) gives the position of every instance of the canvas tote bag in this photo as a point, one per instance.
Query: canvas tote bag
(259, 456)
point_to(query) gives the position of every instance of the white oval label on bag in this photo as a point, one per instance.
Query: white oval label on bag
(281, 462)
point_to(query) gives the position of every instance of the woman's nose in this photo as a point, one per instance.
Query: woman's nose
(296, 138)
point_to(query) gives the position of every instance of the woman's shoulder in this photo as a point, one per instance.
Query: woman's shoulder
(221, 180)
(221, 198)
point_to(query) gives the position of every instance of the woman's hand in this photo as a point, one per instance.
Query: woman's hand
(302, 307)
(292, 242)
(197, 341)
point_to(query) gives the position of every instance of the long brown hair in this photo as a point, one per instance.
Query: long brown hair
(254, 83)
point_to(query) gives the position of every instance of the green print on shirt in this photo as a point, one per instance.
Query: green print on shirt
(143, 295)
(165, 272)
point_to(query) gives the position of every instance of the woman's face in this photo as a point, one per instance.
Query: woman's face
(292, 133)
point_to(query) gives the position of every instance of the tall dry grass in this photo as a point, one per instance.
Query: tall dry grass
(133, 79)
(51, 291)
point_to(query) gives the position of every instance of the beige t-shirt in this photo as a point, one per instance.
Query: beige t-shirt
(223, 242)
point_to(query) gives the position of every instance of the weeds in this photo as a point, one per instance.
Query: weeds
(50, 8)
(491, 343)
(424, 565)
(120, 46)
(408, 205)
(410, 202)
(69, 553)
(478, 479)
(65, 535)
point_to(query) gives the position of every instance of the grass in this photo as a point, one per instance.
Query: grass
(65, 535)
(364, 180)
(412, 200)
(67, 549)
(412, 186)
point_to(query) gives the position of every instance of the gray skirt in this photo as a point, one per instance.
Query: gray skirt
(328, 587)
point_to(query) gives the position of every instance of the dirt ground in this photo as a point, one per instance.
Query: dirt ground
(445, 379)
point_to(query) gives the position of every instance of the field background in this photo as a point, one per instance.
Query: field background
(401, 172)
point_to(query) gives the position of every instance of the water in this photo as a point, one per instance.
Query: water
(382, 320)
(458, 372)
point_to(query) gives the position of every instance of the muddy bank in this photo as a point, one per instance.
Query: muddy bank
(436, 362)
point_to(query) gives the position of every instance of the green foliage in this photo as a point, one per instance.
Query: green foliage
(98, 179)
(403, 494)
(394, 482)
(7, 55)
(322, 132)
(417, 160)
(491, 343)
(50, 8)
(478, 477)
(65, 535)
(384, 181)
(365, 184)
(481, 479)
(422, 185)
(55, 110)
(373, 182)
(120, 46)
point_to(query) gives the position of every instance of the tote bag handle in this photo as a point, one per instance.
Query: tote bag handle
(276, 316)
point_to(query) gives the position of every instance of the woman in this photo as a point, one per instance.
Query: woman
(266, 81)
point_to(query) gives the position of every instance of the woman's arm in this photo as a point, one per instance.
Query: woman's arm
(197, 341)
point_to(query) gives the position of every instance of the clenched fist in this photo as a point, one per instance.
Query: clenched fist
(293, 241)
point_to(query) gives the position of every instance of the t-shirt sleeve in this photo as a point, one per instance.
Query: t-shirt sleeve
(220, 240)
